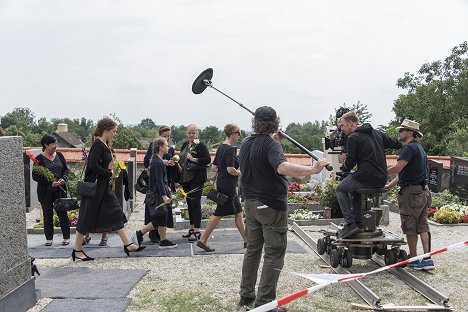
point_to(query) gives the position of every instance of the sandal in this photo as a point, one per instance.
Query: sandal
(65, 242)
(48, 243)
(86, 240)
(205, 247)
(103, 242)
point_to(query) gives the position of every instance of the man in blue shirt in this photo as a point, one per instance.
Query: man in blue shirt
(414, 198)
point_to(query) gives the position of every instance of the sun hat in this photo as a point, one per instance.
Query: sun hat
(410, 125)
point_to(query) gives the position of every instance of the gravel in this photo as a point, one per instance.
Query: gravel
(211, 283)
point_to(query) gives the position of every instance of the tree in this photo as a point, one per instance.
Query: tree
(211, 135)
(307, 134)
(126, 138)
(362, 111)
(22, 117)
(147, 123)
(437, 98)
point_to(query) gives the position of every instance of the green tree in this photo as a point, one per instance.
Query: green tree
(22, 117)
(147, 123)
(308, 134)
(179, 135)
(126, 138)
(211, 135)
(437, 98)
(362, 111)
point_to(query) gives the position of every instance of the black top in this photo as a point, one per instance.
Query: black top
(198, 170)
(414, 173)
(366, 149)
(60, 170)
(259, 159)
(158, 177)
(99, 159)
(226, 157)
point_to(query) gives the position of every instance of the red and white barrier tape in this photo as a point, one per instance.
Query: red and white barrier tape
(324, 280)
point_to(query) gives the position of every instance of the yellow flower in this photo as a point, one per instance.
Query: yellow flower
(182, 192)
(121, 165)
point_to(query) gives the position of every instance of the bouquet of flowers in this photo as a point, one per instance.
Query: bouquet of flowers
(181, 195)
(118, 166)
(39, 169)
(192, 149)
(176, 158)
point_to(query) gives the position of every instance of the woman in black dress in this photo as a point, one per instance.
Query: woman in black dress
(226, 163)
(48, 192)
(161, 217)
(101, 213)
(194, 159)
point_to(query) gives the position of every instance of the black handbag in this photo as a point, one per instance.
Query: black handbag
(217, 197)
(86, 189)
(141, 184)
(150, 198)
(66, 203)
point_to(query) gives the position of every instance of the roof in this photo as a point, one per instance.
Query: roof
(70, 138)
(74, 155)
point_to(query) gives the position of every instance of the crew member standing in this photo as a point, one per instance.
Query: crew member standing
(265, 189)
(414, 197)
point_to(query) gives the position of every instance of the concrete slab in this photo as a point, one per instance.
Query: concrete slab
(87, 283)
(86, 305)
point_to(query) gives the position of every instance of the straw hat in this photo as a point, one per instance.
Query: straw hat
(410, 125)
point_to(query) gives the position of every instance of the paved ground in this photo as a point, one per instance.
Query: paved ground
(189, 279)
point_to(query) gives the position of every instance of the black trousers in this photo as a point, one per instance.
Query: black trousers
(194, 202)
(48, 214)
(153, 234)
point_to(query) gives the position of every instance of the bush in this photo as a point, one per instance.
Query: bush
(445, 198)
(206, 188)
(326, 194)
(446, 215)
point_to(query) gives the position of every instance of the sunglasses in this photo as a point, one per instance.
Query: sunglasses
(238, 132)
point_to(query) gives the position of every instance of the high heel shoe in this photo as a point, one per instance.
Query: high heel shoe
(82, 259)
(128, 251)
(190, 233)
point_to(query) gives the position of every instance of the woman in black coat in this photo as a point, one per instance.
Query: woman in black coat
(194, 159)
(101, 213)
(48, 192)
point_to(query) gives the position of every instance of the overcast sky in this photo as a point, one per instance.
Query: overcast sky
(138, 59)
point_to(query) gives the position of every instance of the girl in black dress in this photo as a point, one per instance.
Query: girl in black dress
(160, 217)
(48, 192)
(101, 213)
(226, 163)
(194, 159)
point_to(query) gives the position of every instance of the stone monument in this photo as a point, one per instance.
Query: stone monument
(17, 286)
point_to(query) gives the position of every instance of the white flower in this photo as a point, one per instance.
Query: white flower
(196, 141)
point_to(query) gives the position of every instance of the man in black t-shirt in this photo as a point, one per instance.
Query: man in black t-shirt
(265, 190)
(414, 198)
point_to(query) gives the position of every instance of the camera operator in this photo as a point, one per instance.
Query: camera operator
(365, 149)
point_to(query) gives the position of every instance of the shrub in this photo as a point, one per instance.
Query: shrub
(445, 198)
(446, 215)
(294, 187)
(206, 188)
(326, 194)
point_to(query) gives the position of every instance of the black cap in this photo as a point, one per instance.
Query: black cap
(265, 113)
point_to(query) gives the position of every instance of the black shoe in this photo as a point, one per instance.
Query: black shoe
(87, 258)
(139, 237)
(348, 230)
(128, 251)
(190, 233)
(246, 301)
(196, 236)
(166, 244)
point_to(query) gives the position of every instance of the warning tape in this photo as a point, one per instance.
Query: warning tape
(324, 280)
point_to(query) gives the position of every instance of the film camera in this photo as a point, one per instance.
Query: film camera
(336, 140)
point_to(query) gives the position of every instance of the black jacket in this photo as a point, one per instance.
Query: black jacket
(44, 186)
(366, 149)
(204, 160)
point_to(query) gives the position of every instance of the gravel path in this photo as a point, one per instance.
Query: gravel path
(211, 283)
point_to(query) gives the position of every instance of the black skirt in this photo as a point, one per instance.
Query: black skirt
(233, 205)
(101, 213)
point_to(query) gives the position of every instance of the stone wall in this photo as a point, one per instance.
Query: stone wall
(17, 287)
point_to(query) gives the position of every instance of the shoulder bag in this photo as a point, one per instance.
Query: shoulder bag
(66, 203)
(86, 189)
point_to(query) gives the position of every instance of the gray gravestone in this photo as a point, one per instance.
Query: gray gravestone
(17, 287)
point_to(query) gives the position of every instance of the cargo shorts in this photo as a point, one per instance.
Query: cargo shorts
(413, 201)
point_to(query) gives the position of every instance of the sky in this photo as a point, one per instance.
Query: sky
(138, 59)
